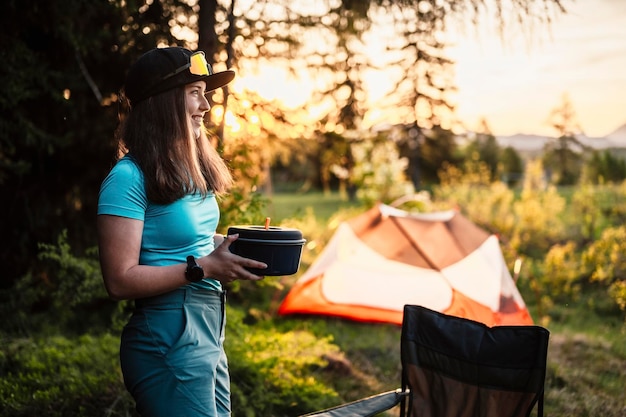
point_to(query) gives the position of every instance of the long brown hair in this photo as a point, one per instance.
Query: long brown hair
(156, 133)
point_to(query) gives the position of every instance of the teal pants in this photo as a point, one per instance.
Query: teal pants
(172, 355)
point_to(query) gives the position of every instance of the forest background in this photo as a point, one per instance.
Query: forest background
(63, 63)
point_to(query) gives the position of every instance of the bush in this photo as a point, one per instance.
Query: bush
(562, 277)
(80, 376)
(62, 293)
(279, 367)
(487, 203)
(538, 214)
(606, 258)
(64, 377)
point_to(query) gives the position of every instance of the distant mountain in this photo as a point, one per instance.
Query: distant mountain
(596, 143)
(534, 144)
(522, 142)
(618, 137)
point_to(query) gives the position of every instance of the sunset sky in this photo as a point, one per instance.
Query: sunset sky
(516, 82)
(516, 85)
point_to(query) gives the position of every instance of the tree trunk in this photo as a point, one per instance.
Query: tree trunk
(208, 42)
(207, 38)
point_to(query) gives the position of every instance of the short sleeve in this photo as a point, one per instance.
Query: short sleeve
(122, 192)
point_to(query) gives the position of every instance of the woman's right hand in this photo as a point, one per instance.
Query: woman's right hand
(225, 266)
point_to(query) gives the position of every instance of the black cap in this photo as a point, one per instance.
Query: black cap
(146, 77)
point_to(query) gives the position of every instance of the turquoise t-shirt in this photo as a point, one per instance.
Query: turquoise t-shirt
(171, 232)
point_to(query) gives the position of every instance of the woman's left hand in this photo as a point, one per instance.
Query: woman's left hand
(225, 266)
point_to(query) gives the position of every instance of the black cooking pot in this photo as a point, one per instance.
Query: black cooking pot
(280, 248)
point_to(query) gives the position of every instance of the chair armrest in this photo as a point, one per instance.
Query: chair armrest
(365, 407)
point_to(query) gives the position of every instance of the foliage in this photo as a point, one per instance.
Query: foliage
(288, 365)
(52, 162)
(426, 150)
(562, 277)
(538, 222)
(606, 258)
(586, 208)
(437, 148)
(60, 376)
(67, 294)
(379, 172)
(604, 167)
(241, 207)
(503, 164)
(596, 207)
(565, 164)
(69, 58)
(335, 157)
(527, 225)
(563, 155)
(470, 190)
(484, 147)
(305, 369)
(512, 166)
(536, 225)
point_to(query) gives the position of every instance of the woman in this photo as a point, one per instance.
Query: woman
(157, 217)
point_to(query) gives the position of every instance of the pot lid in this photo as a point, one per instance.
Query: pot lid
(260, 232)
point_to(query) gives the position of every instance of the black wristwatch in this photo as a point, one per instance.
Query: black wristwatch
(194, 272)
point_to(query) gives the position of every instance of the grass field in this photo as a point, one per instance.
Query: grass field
(587, 353)
(288, 205)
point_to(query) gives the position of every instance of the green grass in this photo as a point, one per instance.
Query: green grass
(587, 354)
(295, 205)
(586, 362)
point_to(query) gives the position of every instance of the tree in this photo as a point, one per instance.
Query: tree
(423, 90)
(512, 166)
(486, 147)
(427, 151)
(335, 157)
(379, 172)
(70, 57)
(64, 63)
(564, 154)
(604, 167)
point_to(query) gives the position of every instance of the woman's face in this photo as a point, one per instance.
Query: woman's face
(197, 105)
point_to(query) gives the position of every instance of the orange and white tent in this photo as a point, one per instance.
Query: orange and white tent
(385, 258)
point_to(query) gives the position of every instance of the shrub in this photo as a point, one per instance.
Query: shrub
(63, 292)
(64, 377)
(379, 172)
(606, 259)
(596, 207)
(538, 214)
(487, 203)
(562, 276)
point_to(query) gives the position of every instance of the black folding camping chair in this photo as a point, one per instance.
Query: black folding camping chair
(455, 367)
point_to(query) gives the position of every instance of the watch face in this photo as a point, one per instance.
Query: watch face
(196, 273)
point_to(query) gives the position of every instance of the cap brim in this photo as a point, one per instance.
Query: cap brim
(218, 80)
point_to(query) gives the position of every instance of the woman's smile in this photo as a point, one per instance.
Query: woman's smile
(197, 105)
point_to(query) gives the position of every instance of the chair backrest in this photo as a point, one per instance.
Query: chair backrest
(457, 367)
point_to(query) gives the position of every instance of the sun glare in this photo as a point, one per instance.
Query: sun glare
(512, 82)
(232, 123)
(275, 83)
